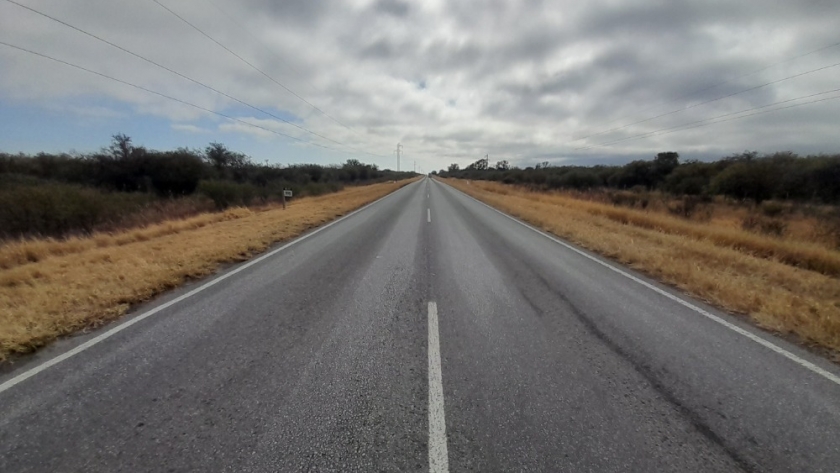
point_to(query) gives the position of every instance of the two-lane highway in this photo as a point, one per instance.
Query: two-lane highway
(426, 331)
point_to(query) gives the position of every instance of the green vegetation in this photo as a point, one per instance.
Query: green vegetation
(123, 185)
(745, 176)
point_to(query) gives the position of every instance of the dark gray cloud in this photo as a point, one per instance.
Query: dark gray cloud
(289, 12)
(392, 7)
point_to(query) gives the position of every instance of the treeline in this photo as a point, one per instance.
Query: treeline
(747, 176)
(60, 194)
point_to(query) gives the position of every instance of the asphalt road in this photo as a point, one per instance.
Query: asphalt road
(426, 331)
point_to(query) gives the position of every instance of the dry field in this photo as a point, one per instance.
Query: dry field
(787, 283)
(50, 288)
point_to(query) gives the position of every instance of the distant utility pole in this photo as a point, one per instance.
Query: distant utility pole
(399, 150)
(415, 165)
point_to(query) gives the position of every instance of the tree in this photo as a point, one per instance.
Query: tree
(480, 165)
(175, 173)
(503, 165)
(746, 180)
(691, 178)
(579, 179)
(826, 180)
(121, 166)
(663, 165)
(121, 147)
(635, 173)
(218, 155)
(667, 161)
(454, 167)
(227, 162)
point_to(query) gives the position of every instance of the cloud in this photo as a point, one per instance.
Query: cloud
(98, 112)
(189, 128)
(521, 80)
(392, 7)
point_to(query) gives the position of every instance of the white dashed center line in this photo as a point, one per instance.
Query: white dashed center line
(438, 456)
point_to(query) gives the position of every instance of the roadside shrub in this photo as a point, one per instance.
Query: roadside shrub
(768, 226)
(580, 179)
(829, 228)
(57, 210)
(225, 194)
(747, 180)
(691, 178)
(319, 188)
(629, 199)
(772, 209)
(685, 207)
(175, 173)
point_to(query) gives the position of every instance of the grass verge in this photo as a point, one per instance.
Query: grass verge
(50, 288)
(785, 287)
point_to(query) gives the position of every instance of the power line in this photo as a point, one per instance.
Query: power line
(808, 53)
(253, 66)
(716, 119)
(172, 71)
(697, 91)
(230, 17)
(160, 94)
(757, 113)
(756, 71)
(716, 99)
(712, 119)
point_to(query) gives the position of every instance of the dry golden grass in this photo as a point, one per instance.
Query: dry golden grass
(815, 226)
(788, 287)
(802, 254)
(50, 288)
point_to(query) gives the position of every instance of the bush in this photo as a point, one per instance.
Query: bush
(772, 209)
(829, 227)
(175, 173)
(746, 180)
(57, 210)
(685, 207)
(629, 199)
(768, 226)
(580, 179)
(226, 194)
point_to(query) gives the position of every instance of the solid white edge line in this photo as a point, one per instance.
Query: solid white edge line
(761, 341)
(438, 454)
(119, 328)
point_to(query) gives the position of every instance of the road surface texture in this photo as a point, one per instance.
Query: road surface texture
(426, 331)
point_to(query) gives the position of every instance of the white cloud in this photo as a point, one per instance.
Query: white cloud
(450, 80)
(189, 128)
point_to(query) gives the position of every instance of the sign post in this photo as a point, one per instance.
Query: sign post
(286, 193)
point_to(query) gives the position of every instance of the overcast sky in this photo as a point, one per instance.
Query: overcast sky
(526, 81)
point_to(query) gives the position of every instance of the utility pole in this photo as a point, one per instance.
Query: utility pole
(415, 165)
(399, 150)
